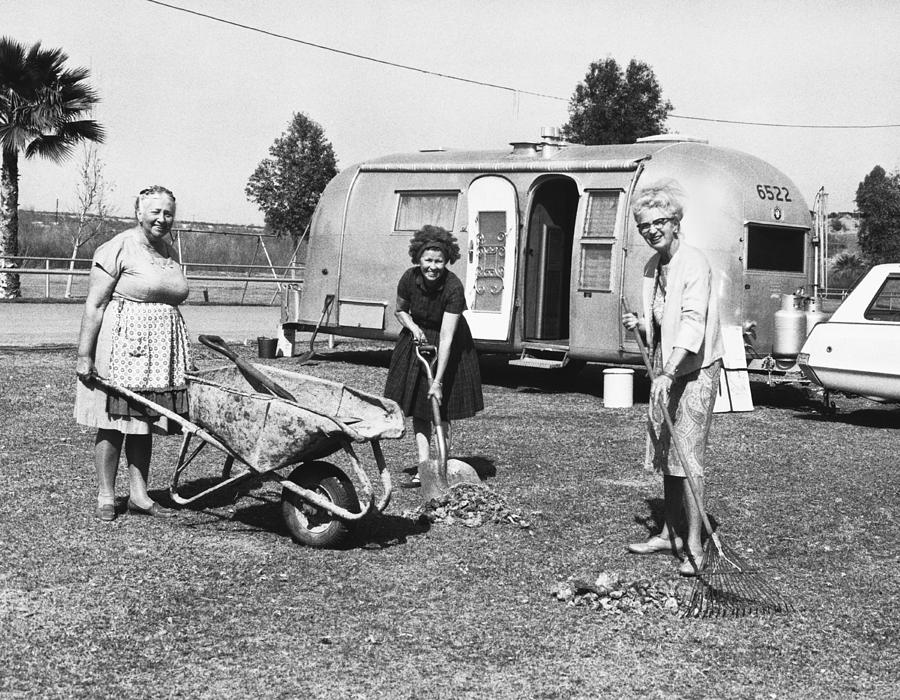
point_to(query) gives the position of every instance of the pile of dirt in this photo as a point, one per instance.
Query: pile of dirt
(471, 505)
(613, 594)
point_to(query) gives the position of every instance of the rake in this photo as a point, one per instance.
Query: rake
(725, 585)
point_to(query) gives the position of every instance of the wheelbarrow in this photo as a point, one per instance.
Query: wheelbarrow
(438, 475)
(286, 440)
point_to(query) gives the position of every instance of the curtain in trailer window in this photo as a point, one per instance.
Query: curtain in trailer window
(600, 220)
(596, 267)
(417, 209)
(597, 239)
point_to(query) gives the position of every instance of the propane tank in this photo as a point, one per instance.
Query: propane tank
(790, 328)
(814, 315)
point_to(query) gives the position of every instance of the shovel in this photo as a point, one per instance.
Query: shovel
(311, 353)
(438, 475)
(259, 381)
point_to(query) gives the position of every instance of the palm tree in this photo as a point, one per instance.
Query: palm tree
(845, 269)
(41, 108)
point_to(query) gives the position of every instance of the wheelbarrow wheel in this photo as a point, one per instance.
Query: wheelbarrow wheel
(310, 525)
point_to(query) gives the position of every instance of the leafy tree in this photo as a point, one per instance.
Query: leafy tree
(878, 201)
(616, 106)
(287, 186)
(41, 108)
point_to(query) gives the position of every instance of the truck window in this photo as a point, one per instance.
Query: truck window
(416, 209)
(886, 304)
(775, 248)
(597, 239)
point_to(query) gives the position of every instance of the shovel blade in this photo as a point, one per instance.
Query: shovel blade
(433, 479)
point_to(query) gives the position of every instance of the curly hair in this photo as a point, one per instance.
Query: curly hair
(433, 237)
(148, 192)
(666, 195)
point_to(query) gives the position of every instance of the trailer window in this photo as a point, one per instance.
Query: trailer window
(417, 209)
(886, 304)
(596, 267)
(597, 239)
(600, 218)
(491, 251)
(775, 249)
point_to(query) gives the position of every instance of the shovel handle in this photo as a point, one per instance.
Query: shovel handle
(257, 379)
(421, 350)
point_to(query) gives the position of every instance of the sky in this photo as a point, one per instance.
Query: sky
(194, 104)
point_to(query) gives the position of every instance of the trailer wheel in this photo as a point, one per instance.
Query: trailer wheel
(310, 525)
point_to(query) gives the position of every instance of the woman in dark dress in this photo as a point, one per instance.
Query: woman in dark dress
(430, 302)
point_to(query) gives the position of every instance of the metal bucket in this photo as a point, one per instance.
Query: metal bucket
(267, 347)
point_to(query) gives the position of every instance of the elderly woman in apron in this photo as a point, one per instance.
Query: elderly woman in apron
(132, 334)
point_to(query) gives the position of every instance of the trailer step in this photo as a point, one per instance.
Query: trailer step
(538, 363)
(542, 357)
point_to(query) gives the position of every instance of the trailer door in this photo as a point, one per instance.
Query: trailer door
(597, 274)
(491, 268)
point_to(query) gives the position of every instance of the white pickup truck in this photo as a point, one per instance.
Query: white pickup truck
(857, 351)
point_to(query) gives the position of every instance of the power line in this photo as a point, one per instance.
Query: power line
(355, 55)
(496, 86)
(788, 126)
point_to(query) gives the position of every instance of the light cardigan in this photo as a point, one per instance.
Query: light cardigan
(691, 312)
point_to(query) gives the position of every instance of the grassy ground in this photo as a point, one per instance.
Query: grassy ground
(221, 602)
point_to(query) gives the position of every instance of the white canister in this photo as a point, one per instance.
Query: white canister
(618, 387)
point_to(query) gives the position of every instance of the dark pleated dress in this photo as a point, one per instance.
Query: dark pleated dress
(406, 381)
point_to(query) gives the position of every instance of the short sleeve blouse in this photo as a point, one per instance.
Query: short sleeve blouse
(141, 276)
(427, 306)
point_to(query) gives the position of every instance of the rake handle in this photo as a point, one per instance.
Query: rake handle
(692, 483)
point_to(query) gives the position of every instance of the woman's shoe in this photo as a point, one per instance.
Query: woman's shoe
(412, 482)
(106, 512)
(156, 510)
(655, 544)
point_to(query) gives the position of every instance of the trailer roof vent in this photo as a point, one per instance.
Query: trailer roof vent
(551, 133)
(671, 138)
(524, 148)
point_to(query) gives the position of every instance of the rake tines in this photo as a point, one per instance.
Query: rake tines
(726, 586)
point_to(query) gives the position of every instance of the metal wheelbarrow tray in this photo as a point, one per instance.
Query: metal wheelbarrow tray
(267, 434)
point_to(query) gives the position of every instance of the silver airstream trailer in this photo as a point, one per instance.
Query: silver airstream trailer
(550, 246)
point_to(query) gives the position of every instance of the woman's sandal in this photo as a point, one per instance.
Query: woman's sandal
(655, 544)
(106, 512)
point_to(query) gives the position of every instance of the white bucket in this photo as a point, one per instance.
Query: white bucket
(618, 387)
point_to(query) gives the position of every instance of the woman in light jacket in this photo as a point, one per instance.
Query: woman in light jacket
(680, 322)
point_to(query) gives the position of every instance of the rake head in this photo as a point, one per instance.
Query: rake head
(726, 586)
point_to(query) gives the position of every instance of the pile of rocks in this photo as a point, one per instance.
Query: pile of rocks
(612, 594)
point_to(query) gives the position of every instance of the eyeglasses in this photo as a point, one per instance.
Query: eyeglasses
(656, 223)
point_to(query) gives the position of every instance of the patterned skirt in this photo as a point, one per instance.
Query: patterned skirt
(142, 347)
(408, 386)
(691, 402)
